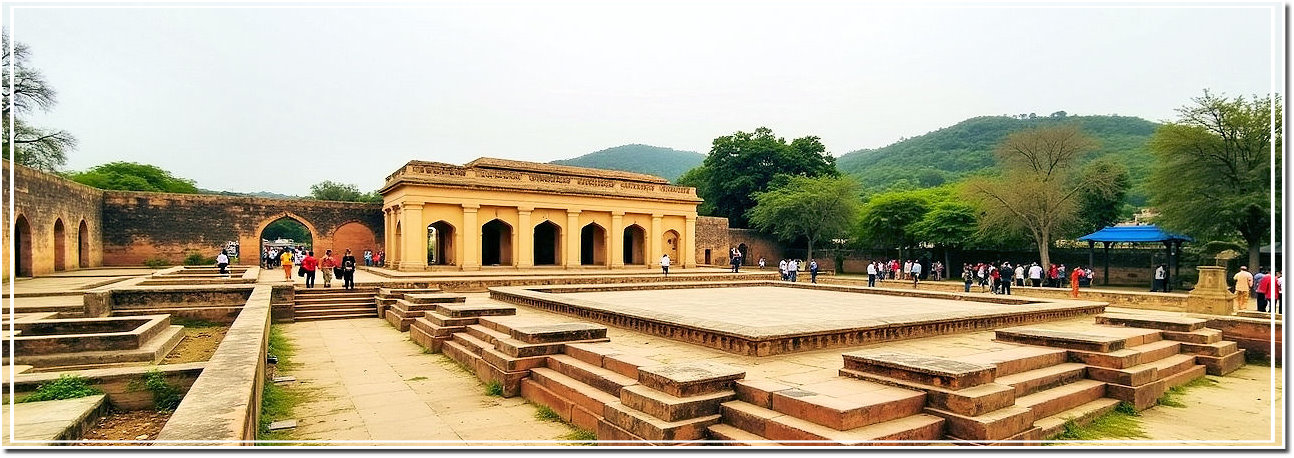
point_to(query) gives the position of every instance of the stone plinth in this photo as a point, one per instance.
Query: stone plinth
(1062, 339)
(559, 332)
(1162, 322)
(929, 370)
(689, 379)
(1210, 295)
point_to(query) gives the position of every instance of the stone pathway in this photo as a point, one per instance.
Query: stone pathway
(365, 381)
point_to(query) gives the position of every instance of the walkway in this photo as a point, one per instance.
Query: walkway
(365, 381)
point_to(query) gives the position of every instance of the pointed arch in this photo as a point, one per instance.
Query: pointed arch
(670, 246)
(60, 246)
(440, 244)
(22, 247)
(548, 244)
(593, 245)
(83, 245)
(635, 242)
(496, 243)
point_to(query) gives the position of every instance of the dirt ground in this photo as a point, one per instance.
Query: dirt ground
(128, 426)
(198, 345)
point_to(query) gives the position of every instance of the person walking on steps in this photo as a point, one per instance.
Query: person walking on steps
(328, 265)
(222, 261)
(664, 265)
(348, 270)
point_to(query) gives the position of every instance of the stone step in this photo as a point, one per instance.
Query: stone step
(334, 298)
(1061, 339)
(462, 310)
(367, 312)
(732, 436)
(600, 378)
(339, 316)
(574, 391)
(559, 332)
(1160, 322)
(785, 428)
(519, 349)
(485, 372)
(928, 370)
(1172, 365)
(847, 403)
(691, 378)
(673, 408)
(1156, 351)
(1053, 401)
(486, 334)
(507, 363)
(654, 429)
(1222, 348)
(1199, 336)
(999, 424)
(972, 401)
(434, 298)
(1018, 359)
(501, 323)
(307, 291)
(396, 293)
(607, 356)
(1222, 365)
(1081, 415)
(1029, 382)
(431, 336)
(333, 304)
(446, 321)
(1185, 376)
(406, 306)
(471, 343)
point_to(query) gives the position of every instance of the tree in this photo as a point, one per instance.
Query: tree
(949, 225)
(1210, 178)
(328, 190)
(815, 208)
(698, 177)
(1098, 208)
(31, 146)
(1038, 186)
(887, 218)
(746, 163)
(287, 228)
(133, 176)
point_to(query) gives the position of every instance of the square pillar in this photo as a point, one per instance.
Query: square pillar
(572, 238)
(388, 231)
(415, 237)
(525, 235)
(470, 241)
(616, 249)
(653, 241)
(397, 249)
(688, 253)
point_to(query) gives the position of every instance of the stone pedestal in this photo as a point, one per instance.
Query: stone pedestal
(1210, 295)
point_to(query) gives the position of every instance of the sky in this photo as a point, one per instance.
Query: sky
(276, 99)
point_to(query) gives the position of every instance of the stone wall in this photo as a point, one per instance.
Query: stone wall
(757, 245)
(140, 226)
(712, 240)
(1172, 302)
(43, 201)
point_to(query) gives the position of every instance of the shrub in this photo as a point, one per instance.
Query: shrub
(67, 386)
(165, 396)
(157, 262)
(197, 259)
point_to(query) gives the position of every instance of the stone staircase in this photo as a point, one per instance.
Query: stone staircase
(317, 304)
(401, 307)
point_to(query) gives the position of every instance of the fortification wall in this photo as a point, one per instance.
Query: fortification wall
(42, 202)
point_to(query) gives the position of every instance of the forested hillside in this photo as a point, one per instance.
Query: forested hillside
(653, 160)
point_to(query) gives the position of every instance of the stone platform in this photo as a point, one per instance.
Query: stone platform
(761, 318)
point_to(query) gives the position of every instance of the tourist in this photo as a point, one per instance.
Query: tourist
(222, 261)
(981, 272)
(1053, 276)
(1007, 275)
(1157, 284)
(1060, 276)
(310, 265)
(1268, 291)
(871, 274)
(995, 279)
(894, 269)
(968, 276)
(1074, 280)
(761, 263)
(348, 270)
(813, 271)
(1035, 275)
(915, 272)
(781, 269)
(907, 269)
(793, 269)
(328, 264)
(1280, 289)
(1244, 283)
(298, 256)
(285, 259)
(664, 264)
(368, 258)
(1259, 297)
(381, 258)
(734, 258)
(1088, 277)
(1019, 275)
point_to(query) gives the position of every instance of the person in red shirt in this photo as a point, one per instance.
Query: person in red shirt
(1269, 288)
(1053, 276)
(310, 264)
(1074, 278)
(327, 264)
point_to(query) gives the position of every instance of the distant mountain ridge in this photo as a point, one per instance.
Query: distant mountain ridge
(666, 163)
(966, 148)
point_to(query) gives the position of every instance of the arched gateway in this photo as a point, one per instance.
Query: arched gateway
(504, 213)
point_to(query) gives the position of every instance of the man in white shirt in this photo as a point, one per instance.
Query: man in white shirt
(781, 269)
(1035, 275)
(1158, 284)
(915, 271)
(222, 261)
(1019, 275)
(664, 264)
(793, 269)
(871, 275)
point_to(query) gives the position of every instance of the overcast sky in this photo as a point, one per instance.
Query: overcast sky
(253, 99)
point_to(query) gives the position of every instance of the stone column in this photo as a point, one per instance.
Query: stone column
(688, 251)
(470, 257)
(616, 249)
(1210, 295)
(653, 241)
(388, 232)
(572, 238)
(525, 234)
(396, 242)
(415, 238)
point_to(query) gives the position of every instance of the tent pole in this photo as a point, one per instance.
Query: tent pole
(1107, 264)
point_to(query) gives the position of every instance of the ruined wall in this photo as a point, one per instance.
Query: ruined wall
(41, 201)
(139, 226)
(757, 245)
(712, 236)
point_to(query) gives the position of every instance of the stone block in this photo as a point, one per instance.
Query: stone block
(1044, 378)
(689, 379)
(855, 411)
(1212, 349)
(996, 425)
(590, 353)
(1132, 376)
(615, 436)
(519, 349)
(534, 392)
(1019, 359)
(1141, 397)
(464, 311)
(929, 370)
(1061, 339)
(626, 365)
(654, 429)
(1118, 359)
(599, 378)
(560, 332)
(1222, 365)
(1199, 336)
(758, 391)
(1161, 322)
(1062, 398)
(748, 417)
(577, 392)
(673, 408)
(434, 298)
(584, 418)
(972, 401)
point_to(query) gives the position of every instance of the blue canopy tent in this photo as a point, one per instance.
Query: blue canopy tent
(1136, 234)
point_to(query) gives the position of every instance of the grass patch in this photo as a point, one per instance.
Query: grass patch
(280, 347)
(165, 396)
(494, 388)
(276, 401)
(67, 386)
(1120, 423)
(1173, 397)
(195, 323)
(546, 414)
(584, 436)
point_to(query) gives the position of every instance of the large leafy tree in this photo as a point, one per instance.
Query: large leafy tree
(744, 164)
(887, 219)
(1212, 169)
(44, 149)
(808, 208)
(329, 190)
(948, 225)
(1104, 206)
(133, 176)
(1038, 188)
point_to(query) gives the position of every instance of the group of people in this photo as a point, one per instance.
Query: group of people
(909, 270)
(374, 259)
(999, 277)
(309, 266)
(790, 269)
(1266, 288)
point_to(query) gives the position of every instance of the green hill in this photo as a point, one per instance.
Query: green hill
(967, 147)
(652, 160)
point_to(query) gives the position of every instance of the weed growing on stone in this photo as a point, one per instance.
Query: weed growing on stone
(157, 262)
(195, 323)
(67, 386)
(1120, 423)
(584, 436)
(280, 347)
(1173, 397)
(276, 401)
(494, 388)
(546, 414)
(165, 397)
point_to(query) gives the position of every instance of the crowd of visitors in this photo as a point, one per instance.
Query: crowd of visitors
(309, 267)
(1265, 287)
